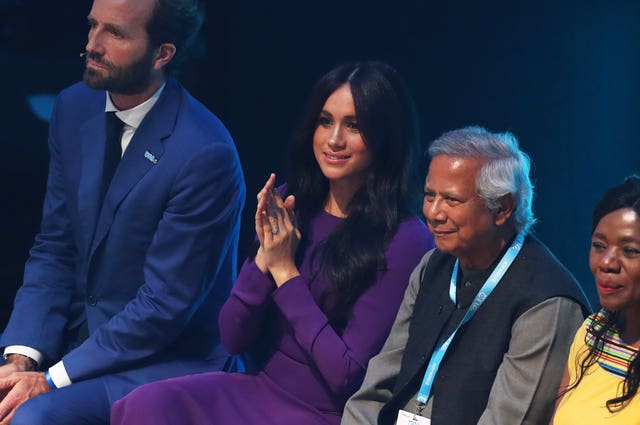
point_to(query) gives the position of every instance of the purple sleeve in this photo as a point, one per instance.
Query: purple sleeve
(342, 359)
(243, 315)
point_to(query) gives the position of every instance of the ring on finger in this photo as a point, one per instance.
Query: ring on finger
(275, 230)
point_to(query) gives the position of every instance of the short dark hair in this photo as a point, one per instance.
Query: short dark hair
(354, 252)
(625, 195)
(177, 22)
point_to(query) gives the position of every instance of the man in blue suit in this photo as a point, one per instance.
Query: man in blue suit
(126, 277)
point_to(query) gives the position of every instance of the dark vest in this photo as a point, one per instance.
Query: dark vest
(464, 379)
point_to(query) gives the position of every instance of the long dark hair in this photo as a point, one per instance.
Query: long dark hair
(353, 253)
(625, 195)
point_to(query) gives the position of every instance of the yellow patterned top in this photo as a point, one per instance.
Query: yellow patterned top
(586, 404)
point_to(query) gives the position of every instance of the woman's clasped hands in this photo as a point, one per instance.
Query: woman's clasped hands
(277, 233)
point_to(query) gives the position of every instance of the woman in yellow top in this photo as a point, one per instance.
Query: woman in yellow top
(600, 384)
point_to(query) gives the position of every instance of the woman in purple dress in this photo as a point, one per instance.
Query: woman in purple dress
(332, 260)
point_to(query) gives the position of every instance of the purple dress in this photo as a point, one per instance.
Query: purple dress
(310, 370)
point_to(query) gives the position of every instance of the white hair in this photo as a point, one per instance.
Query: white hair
(506, 170)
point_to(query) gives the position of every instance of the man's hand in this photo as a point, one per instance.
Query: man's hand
(17, 363)
(17, 388)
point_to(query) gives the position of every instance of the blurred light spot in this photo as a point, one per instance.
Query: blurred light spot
(42, 105)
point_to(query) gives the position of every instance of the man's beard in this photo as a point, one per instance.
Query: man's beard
(133, 79)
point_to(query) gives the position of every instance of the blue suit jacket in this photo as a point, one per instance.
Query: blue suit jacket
(146, 273)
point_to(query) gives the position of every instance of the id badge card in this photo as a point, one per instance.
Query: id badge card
(408, 418)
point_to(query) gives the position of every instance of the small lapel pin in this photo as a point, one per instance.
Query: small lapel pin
(151, 157)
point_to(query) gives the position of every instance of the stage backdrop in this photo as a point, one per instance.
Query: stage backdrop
(562, 76)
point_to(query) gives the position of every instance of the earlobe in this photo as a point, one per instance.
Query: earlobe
(507, 205)
(164, 54)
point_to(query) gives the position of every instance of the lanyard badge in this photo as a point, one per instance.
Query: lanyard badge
(407, 418)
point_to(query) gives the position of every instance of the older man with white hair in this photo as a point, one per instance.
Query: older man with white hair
(486, 322)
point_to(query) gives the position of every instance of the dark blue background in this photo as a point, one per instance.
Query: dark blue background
(563, 76)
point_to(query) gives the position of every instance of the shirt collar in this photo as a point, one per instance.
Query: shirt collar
(134, 116)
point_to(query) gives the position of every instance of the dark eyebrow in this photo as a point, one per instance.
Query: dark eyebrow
(624, 239)
(108, 27)
(115, 28)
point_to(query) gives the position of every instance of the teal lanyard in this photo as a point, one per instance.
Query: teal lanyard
(483, 294)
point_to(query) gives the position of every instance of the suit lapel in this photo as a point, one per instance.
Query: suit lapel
(144, 151)
(92, 139)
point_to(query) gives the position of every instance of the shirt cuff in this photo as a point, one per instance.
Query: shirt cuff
(59, 375)
(23, 350)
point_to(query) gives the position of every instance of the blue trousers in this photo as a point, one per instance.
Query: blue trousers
(82, 403)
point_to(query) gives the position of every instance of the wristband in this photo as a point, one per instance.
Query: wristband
(47, 376)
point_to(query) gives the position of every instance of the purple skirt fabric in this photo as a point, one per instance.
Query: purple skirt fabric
(217, 398)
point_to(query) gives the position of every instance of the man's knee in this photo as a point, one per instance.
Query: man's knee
(32, 412)
(83, 403)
